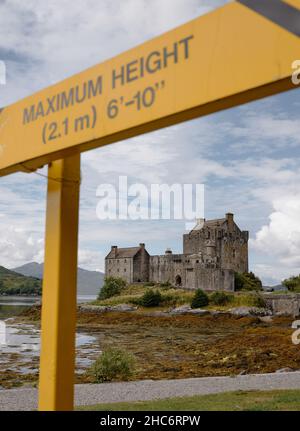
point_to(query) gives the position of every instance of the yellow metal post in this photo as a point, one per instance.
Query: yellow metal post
(56, 385)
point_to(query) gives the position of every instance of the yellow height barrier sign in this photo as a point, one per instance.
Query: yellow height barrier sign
(239, 52)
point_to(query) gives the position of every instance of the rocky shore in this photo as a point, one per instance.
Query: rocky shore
(176, 343)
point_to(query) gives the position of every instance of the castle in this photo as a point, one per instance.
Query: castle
(212, 252)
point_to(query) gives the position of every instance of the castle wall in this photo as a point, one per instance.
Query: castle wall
(191, 272)
(166, 268)
(234, 252)
(214, 279)
(122, 267)
(141, 266)
(285, 304)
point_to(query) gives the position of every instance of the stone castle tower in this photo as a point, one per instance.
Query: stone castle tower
(212, 252)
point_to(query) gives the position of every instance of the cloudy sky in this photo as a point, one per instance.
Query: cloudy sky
(247, 157)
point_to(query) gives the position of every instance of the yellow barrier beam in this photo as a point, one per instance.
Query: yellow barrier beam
(57, 361)
(237, 53)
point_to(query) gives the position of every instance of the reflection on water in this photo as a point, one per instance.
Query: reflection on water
(11, 306)
(20, 343)
(3, 332)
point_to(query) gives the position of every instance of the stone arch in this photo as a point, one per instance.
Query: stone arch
(178, 280)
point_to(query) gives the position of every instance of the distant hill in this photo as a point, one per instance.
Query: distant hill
(88, 282)
(277, 288)
(13, 283)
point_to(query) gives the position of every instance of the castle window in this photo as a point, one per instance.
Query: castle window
(124, 269)
(233, 253)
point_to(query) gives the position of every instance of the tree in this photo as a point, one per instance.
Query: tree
(112, 287)
(200, 299)
(247, 281)
(220, 298)
(151, 298)
(292, 283)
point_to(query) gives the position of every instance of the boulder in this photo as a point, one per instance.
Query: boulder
(250, 311)
(183, 309)
(122, 307)
(260, 311)
(240, 311)
(198, 311)
(104, 308)
(266, 319)
(218, 312)
(92, 308)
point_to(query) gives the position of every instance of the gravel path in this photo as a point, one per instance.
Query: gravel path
(26, 399)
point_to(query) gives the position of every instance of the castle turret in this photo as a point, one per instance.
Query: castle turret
(199, 223)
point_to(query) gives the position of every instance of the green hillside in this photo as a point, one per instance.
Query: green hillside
(13, 283)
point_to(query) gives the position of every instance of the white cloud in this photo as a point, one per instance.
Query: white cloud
(18, 246)
(46, 41)
(280, 239)
(89, 259)
(273, 273)
(277, 128)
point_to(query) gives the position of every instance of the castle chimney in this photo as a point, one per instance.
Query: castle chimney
(199, 223)
(168, 251)
(229, 218)
(114, 250)
(142, 245)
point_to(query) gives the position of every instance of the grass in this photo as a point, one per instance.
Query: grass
(171, 297)
(285, 400)
(174, 297)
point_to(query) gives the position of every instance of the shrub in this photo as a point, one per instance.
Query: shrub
(247, 281)
(113, 364)
(134, 300)
(200, 299)
(169, 299)
(220, 298)
(151, 298)
(257, 301)
(112, 287)
(149, 284)
(165, 285)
